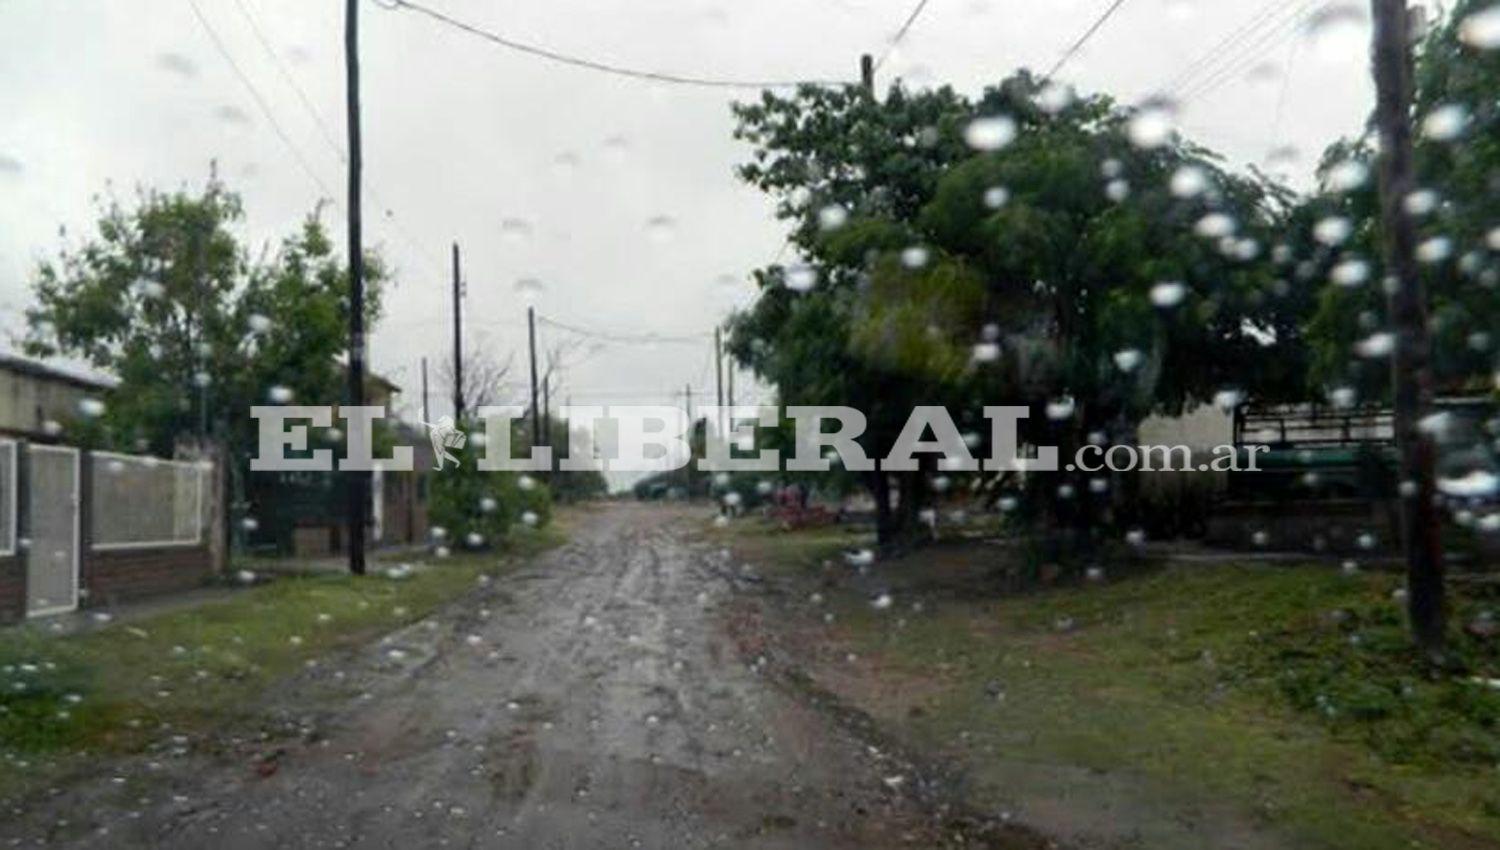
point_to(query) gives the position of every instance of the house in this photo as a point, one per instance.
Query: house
(83, 528)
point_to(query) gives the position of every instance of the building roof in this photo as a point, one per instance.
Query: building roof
(11, 362)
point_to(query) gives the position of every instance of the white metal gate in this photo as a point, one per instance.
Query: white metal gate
(52, 491)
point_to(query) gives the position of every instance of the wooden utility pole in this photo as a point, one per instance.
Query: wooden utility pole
(547, 408)
(536, 413)
(426, 413)
(359, 482)
(867, 73)
(458, 339)
(1411, 366)
(719, 377)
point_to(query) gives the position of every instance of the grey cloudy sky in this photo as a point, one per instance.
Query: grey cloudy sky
(461, 135)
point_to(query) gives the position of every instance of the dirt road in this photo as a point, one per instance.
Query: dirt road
(594, 699)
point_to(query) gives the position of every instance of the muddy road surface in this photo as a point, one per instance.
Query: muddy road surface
(594, 699)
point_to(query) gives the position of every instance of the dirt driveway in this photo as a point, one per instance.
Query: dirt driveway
(594, 699)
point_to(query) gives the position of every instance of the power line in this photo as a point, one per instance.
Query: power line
(625, 337)
(1215, 54)
(260, 102)
(1250, 54)
(604, 67)
(911, 19)
(328, 135)
(1083, 39)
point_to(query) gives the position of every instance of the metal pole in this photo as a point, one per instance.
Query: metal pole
(359, 482)
(719, 377)
(1411, 367)
(536, 413)
(867, 73)
(458, 339)
(426, 413)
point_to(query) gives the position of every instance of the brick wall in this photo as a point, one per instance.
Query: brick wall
(115, 575)
(12, 588)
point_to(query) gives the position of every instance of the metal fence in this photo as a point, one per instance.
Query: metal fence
(9, 492)
(146, 502)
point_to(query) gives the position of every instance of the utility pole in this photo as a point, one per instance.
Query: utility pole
(536, 413)
(547, 409)
(729, 383)
(867, 73)
(719, 378)
(426, 414)
(358, 482)
(1411, 367)
(458, 340)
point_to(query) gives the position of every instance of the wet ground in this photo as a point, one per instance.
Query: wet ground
(597, 698)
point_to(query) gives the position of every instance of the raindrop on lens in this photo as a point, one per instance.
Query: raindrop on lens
(1481, 29)
(1151, 125)
(280, 395)
(1168, 294)
(1339, 32)
(801, 278)
(990, 133)
(1446, 123)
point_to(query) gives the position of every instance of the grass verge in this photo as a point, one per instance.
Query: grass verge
(113, 690)
(1274, 703)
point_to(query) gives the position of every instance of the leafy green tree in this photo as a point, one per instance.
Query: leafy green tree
(1334, 236)
(1059, 266)
(166, 297)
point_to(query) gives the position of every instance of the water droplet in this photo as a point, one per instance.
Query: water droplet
(530, 518)
(1168, 294)
(1117, 191)
(1060, 409)
(90, 408)
(258, 323)
(529, 288)
(661, 229)
(1129, 359)
(832, 217)
(1151, 125)
(1376, 346)
(1228, 400)
(280, 395)
(915, 257)
(1481, 29)
(990, 133)
(1189, 181)
(1216, 226)
(1348, 175)
(1446, 123)
(1339, 32)
(986, 352)
(801, 278)
(1434, 250)
(996, 197)
(1421, 202)
(1333, 230)
(514, 231)
(526, 482)
(1055, 97)
(1350, 273)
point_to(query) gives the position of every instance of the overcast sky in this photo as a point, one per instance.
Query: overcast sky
(461, 135)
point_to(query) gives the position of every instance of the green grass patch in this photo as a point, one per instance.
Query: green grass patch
(1291, 693)
(114, 689)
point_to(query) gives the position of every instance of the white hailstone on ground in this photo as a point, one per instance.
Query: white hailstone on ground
(1376, 345)
(990, 133)
(1350, 568)
(721, 521)
(1151, 125)
(280, 395)
(1189, 181)
(1333, 231)
(530, 519)
(996, 197)
(1446, 123)
(1168, 294)
(1129, 359)
(801, 278)
(832, 217)
(245, 577)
